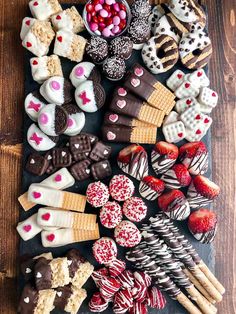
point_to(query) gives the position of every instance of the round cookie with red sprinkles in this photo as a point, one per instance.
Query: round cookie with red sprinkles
(97, 194)
(111, 215)
(127, 234)
(135, 209)
(121, 188)
(104, 250)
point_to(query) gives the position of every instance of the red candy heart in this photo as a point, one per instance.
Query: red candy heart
(28, 44)
(27, 22)
(27, 228)
(198, 117)
(179, 76)
(50, 237)
(58, 17)
(180, 134)
(46, 216)
(213, 94)
(199, 74)
(59, 38)
(188, 101)
(35, 3)
(187, 85)
(206, 120)
(36, 194)
(35, 62)
(198, 131)
(58, 178)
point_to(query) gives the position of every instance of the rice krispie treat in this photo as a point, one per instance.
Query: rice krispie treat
(43, 9)
(69, 45)
(69, 19)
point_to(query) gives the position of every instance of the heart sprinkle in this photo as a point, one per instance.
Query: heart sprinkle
(26, 300)
(199, 74)
(188, 101)
(50, 237)
(28, 44)
(206, 120)
(198, 131)
(122, 91)
(36, 195)
(58, 178)
(198, 117)
(110, 136)
(179, 76)
(59, 38)
(27, 228)
(46, 216)
(187, 85)
(113, 117)
(180, 134)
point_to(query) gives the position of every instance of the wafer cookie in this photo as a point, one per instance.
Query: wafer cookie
(118, 119)
(142, 135)
(63, 237)
(60, 180)
(55, 198)
(65, 219)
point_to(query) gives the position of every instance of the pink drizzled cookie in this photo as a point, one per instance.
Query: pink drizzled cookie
(116, 267)
(97, 303)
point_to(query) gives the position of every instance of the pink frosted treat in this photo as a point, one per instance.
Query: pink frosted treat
(104, 250)
(116, 267)
(135, 209)
(111, 215)
(97, 303)
(121, 188)
(97, 194)
(127, 234)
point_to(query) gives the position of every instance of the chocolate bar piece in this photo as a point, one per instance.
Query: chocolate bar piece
(80, 144)
(101, 170)
(93, 139)
(100, 152)
(61, 157)
(81, 170)
(37, 164)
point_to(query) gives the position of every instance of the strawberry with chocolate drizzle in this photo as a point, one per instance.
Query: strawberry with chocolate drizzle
(133, 160)
(163, 156)
(176, 177)
(151, 187)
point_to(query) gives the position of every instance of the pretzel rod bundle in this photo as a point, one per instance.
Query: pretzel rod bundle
(173, 269)
(197, 259)
(143, 261)
(180, 252)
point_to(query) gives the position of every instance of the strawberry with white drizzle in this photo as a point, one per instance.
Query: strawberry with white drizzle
(155, 298)
(97, 303)
(123, 300)
(151, 187)
(176, 177)
(194, 156)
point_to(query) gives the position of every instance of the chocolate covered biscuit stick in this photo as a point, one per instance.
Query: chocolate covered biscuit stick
(118, 119)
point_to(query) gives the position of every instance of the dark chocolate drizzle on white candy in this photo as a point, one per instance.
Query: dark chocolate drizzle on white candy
(195, 199)
(160, 163)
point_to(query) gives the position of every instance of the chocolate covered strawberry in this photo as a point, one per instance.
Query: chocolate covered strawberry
(174, 204)
(97, 304)
(151, 187)
(194, 156)
(163, 156)
(176, 177)
(201, 192)
(203, 225)
(133, 160)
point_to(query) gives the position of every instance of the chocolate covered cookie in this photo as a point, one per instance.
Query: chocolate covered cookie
(114, 68)
(121, 47)
(139, 32)
(84, 71)
(76, 119)
(97, 49)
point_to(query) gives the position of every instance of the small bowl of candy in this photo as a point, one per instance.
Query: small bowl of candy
(106, 18)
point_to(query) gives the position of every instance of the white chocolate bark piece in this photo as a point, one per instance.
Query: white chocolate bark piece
(208, 97)
(28, 228)
(85, 97)
(43, 9)
(187, 89)
(199, 78)
(69, 45)
(69, 19)
(175, 80)
(27, 23)
(185, 103)
(53, 90)
(38, 140)
(174, 132)
(172, 117)
(33, 105)
(81, 72)
(39, 37)
(42, 68)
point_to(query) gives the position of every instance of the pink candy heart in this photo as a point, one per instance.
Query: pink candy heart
(121, 104)
(46, 216)
(27, 228)
(58, 178)
(36, 195)
(111, 136)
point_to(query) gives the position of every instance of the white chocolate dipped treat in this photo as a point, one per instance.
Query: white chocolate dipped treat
(43, 9)
(34, 102)
(84, 71)
(38, 140)
(76, 120)
(28, 228)
(53, 90)
(27, 23)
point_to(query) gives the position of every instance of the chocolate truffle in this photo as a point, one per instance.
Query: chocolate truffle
(139, 32)
(114, 68)
(121, 47)
(97, 49)
(140, 8)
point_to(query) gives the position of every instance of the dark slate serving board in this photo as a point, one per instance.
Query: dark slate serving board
(93, 125)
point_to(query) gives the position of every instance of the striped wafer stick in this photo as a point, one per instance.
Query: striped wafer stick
(125, 103)
(197, 259)
(158, 251)
(122, 133)
(118, 119)
(63, 237)
(144, 263)
(180, 253)
(60, 180)
(55, 198)
(48, 217)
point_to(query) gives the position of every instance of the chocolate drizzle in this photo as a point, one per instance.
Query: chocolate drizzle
(161, 163)
(197, 164)
(195, 199)
(171, 180)
(63, 295)
(74, 261)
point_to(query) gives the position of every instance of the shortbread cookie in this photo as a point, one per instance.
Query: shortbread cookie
(160, 53)
(28, 228)
(76, 120)
(185, 103)
(195, 49)
(43, 9)
(165, 27)
(57, 90)
(175, 80)
(84, 71)
(34, 102)
(27, 23)
(36, 302)
(38, 38)
(208, 97)
(174, 132)
(187, 89)
(43, 68)
(69, 45)
(38, 140)
(69, 19)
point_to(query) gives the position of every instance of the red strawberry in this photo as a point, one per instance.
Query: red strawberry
(206, 187)
(167, 198)
(192, 149)
(125, 154)
(182, 174)
(202, 220)
(154, 183)
(170, 150)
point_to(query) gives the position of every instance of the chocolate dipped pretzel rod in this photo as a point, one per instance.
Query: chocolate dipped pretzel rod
(190, 249)
(173, 269)
(178, 250)
(144, 262)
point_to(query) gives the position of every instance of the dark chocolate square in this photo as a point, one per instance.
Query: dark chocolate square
(61, 157)
(101, 170)
(37, 164)
(100, 152)
(81, 170)
(80, 144)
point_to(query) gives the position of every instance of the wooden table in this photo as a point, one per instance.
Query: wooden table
(222, 29)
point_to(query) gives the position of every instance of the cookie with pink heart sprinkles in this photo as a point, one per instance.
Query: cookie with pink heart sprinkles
(134, 209)
(110, 215)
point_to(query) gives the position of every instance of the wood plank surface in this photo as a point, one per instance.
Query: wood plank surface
(222, 29)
